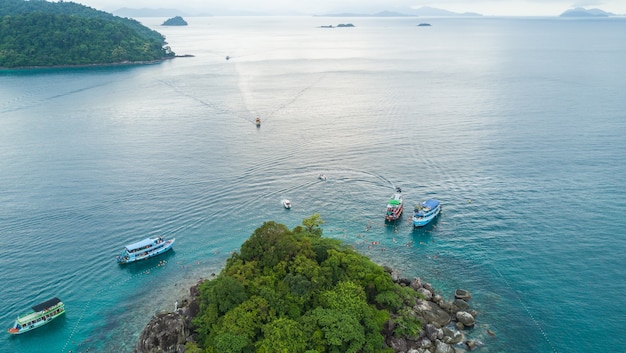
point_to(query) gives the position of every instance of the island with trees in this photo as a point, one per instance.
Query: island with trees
(175, 21)
(38, 33)
(296, 291)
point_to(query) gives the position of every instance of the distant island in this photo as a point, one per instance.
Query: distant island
(175, 21)
(582, 12)
(339, 25)
(422, 11)
(45, 34)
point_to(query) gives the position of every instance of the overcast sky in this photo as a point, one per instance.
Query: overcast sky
(311, 7)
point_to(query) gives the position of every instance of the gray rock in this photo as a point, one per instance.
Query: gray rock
(417, 283)
(452, 337)
(431, 332)
(472, 344)
(432, 313)
(441, 347)
(465, 318)
(461, 305)
(424, 344)
(462, 294)
(165, 333)
(397, 344)
(428, 295)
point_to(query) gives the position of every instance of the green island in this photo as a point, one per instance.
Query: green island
(38, 33)
(295, 291)
(175, 21)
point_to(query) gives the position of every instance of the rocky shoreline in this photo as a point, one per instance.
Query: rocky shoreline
(120, 63)
(443, 323)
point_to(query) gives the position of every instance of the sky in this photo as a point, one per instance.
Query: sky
(320, 7)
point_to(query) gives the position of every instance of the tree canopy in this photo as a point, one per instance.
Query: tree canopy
(294, 291)
(41, 33)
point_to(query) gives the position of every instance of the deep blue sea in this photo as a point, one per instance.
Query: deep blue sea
(518, 126)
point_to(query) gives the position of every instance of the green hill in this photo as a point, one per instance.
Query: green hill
(41, 33)
(296, 291)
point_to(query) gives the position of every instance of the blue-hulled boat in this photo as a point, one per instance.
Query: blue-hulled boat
(425, 212)
(145, 249)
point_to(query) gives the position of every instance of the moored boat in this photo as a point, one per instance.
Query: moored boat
(395, 206)
(286, 203)
(42, 314)
(145, 249)
(425, 212)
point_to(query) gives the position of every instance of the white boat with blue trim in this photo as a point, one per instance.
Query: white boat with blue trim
(425, 212)
(42, 314)
(145, 249)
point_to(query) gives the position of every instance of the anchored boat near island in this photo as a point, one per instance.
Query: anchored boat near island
(145, 249)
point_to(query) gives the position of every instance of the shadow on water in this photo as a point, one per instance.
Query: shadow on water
(143, 266)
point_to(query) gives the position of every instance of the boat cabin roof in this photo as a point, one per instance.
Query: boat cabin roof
(47, 304)
(140, 244)
(430, 203)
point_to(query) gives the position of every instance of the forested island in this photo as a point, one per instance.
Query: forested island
(175, 21)
(298, 292)
(38, 33)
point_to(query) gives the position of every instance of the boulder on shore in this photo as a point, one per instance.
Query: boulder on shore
(164, 333)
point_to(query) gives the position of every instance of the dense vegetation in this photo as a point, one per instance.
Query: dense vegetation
(41, 33)
(293, 291)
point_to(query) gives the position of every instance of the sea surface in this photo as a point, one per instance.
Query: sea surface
(518, 126)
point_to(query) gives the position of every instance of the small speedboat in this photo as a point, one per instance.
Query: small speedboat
(257, 122)
(286, 203)
(322, 177)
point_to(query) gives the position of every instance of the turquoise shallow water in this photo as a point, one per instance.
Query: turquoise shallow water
(516, 125)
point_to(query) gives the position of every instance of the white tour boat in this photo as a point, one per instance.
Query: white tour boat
(145, 249)
(42, 314)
